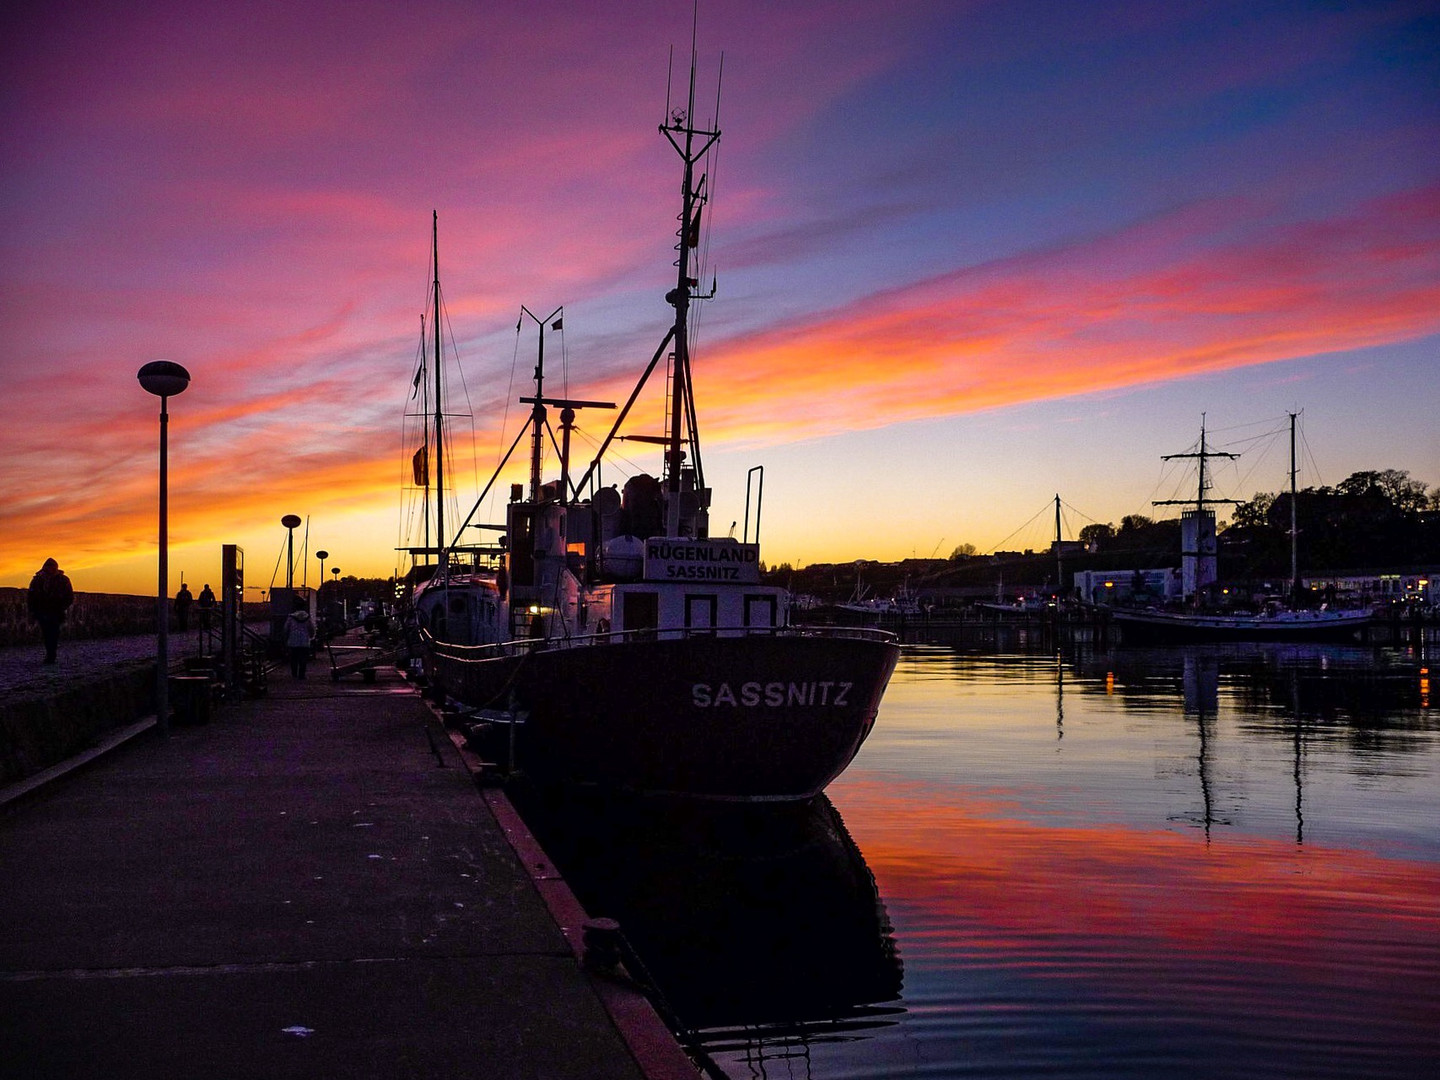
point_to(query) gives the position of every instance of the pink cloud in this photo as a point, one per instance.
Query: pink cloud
(1207, 289)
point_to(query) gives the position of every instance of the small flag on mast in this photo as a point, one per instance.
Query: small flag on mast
(693, 239)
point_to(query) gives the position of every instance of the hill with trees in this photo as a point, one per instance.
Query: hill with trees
(1370, 521)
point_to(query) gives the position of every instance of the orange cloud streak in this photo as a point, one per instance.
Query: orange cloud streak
(1158, 301)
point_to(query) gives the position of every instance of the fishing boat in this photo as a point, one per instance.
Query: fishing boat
(618, 644)
(1274, 621)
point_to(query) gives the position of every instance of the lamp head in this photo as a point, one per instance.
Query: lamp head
(291, 521)
(163, 378)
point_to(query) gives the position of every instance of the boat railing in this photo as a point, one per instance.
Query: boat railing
(521, 646)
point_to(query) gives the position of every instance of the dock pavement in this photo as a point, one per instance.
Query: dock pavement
(310, 885)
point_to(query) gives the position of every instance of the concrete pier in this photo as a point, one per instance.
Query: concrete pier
(311, 885)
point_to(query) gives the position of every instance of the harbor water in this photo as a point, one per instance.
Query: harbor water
(1212, 861)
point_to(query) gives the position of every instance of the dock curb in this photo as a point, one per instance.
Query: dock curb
(117, 737)
(652, 1044)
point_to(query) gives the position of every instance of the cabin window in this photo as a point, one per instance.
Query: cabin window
(760, 611)
(522, 549)
(642, 610)
(700, 612)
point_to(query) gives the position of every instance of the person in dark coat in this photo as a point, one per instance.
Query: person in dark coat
(183, 600)
(205, 608)
(298, 634)
(51, 595)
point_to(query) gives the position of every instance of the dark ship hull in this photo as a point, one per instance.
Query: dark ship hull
(751, 718)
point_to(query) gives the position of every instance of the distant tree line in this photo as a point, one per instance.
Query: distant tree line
(1372, 518)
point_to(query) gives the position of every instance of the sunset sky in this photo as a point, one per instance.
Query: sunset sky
(969, 255)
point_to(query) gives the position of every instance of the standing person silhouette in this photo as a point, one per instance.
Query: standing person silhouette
(183, 600)
(50, 596)
(205, 609)
(298, 633)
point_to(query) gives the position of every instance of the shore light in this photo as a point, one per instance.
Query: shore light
(164, 379)
(291, 523)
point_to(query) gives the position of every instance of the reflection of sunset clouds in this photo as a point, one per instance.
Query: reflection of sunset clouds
(1346, 935)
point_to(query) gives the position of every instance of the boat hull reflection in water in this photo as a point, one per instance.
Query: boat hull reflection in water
(760, 927)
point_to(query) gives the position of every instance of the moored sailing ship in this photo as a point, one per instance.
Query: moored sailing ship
(1274, 621)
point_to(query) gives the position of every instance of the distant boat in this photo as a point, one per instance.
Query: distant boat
(1279, 624)
(863, 602)
(1277, 621)
(618, 644)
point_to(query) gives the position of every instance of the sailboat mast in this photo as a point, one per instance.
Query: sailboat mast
(1294, 525)
(1200, 498)
(1204, 454)
(1199, 544)
(537, 416)
(422, 476)
(439, 413)
(1059, 557)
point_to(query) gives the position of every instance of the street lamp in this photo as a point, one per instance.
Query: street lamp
(164, 379)
(322, 556)
(291, 523)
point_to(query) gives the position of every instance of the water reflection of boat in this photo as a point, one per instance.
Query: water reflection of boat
(761, 928)
(1308, 695)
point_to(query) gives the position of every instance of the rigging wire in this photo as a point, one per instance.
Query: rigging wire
(279, 558)
(1079, 512)
(469, 405)
(1048, 506)
(1310, 457)
(405, 526)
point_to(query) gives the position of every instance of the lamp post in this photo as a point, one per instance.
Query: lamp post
(322, 556)
(164, 379)
(335, 573)
(291, 523)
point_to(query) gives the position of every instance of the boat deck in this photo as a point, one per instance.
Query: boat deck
(310, 885)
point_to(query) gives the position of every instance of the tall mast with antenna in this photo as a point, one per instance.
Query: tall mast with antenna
(691, 143)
